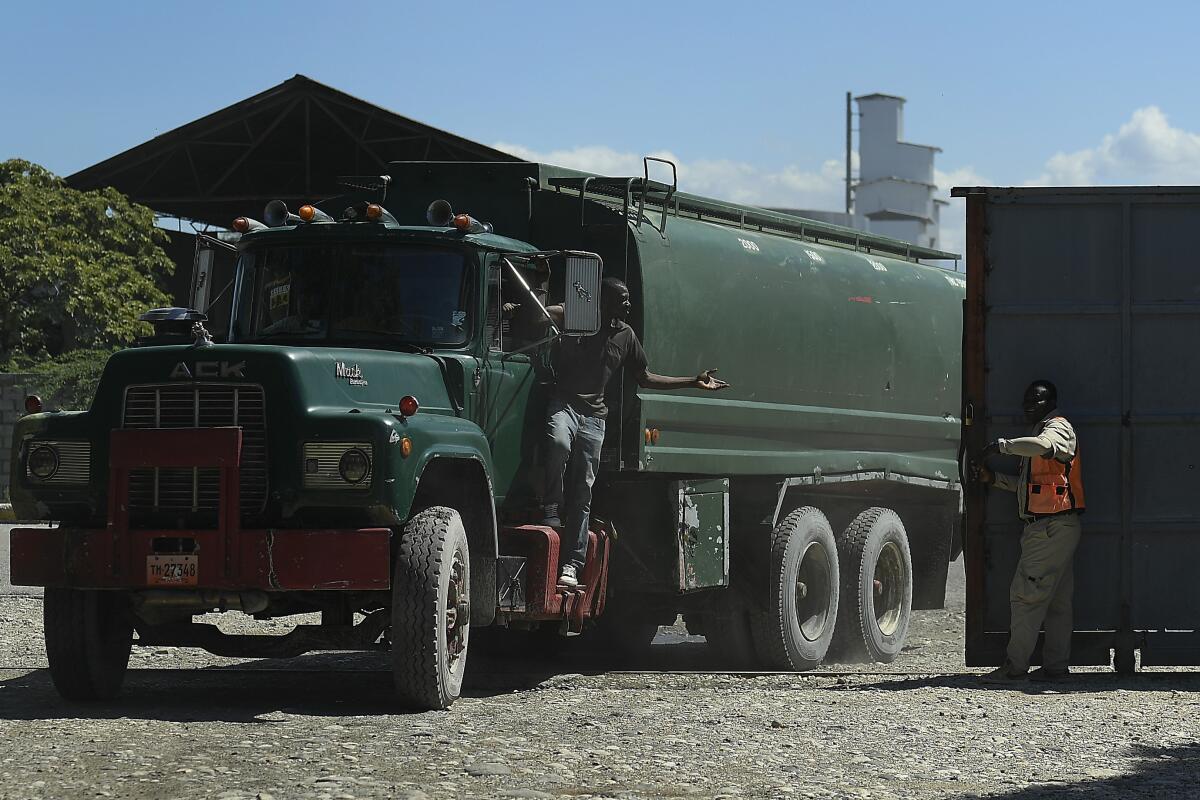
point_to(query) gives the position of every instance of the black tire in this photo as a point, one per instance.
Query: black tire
(431, 609)
(877, 588)
(729, 638)
(89, 635)
(795, 632)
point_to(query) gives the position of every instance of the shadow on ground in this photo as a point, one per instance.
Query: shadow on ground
(1080, 683)
(1162, 772)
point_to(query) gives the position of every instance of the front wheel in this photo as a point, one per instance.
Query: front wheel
(89, 635)
(431, 609)
(795, 632)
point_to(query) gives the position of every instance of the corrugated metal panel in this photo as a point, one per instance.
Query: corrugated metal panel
(1098, 291)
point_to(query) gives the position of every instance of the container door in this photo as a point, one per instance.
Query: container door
(702, 533)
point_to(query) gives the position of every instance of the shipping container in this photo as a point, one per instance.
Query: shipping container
(1097, 290)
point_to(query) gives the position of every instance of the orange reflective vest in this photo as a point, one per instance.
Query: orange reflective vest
(1055, 487)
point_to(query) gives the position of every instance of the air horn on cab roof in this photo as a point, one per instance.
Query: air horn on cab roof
(441, 215)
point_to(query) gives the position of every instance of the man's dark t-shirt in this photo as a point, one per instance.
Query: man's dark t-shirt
(583, 366)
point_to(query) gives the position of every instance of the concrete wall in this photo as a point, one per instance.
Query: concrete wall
(12, 407)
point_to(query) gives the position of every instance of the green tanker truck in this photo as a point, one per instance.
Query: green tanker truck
(364, 439)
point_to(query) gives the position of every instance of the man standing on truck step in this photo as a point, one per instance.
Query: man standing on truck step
(1049, 499)
(576, 414)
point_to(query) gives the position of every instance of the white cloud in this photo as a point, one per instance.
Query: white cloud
(1146, 149)
(791, 186)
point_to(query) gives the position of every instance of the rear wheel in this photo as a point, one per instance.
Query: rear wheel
(89, 635)
(795, 632)
(877, 586)
(431, 609)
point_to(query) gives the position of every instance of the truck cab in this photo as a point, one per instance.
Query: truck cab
(347, 448)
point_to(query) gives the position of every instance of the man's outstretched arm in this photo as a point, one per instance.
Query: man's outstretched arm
(705, 380)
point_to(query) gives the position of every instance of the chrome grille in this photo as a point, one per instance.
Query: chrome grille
(198, 405)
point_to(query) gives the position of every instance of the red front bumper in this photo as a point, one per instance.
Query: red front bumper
(253, 559)
(226, 558)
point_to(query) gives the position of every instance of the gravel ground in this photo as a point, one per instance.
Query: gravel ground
(323, 726)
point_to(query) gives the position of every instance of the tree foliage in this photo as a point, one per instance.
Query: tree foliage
(76, 268)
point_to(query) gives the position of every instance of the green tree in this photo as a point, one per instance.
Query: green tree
(76, 268)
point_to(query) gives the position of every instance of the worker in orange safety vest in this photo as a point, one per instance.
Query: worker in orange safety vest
(1050, 499)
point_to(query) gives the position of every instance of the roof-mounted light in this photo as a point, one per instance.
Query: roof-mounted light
(310, 213)
(370, 212)
(245, 225)
(468, 224)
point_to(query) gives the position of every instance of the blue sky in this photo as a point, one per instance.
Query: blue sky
(748, 97)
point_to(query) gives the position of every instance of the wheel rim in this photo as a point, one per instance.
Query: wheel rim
(458, 610)
(813, 587)
(887, 583)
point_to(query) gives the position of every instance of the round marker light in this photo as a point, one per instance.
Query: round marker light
(354, 465)
(241, 225)
(43, 462)
(306, 213)
(406, 447)
(33, 404)
(374, 212)
(409, 405)
(462, 221)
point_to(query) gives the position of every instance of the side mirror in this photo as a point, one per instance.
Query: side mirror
(581, 303)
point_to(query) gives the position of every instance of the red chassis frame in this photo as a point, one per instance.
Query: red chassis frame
(228, 557)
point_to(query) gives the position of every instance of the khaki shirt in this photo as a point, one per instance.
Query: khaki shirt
(1050, 437)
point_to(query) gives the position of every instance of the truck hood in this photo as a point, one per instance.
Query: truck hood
(308, 379)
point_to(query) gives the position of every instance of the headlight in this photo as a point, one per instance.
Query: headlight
(338, 465)
(58, 462)
(354, 466)
(43, 462)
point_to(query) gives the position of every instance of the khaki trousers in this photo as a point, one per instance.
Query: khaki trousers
(1041, 592)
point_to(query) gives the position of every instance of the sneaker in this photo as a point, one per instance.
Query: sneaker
(1003, 675)
(550, 517)
(567, 577)
(1043, 675)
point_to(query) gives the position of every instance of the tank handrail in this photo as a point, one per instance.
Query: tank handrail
(665, 196)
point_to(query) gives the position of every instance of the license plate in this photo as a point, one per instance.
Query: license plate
(174, 570)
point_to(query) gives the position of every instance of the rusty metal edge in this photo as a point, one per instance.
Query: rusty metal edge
(974, 393)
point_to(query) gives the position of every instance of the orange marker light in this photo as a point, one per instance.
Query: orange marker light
(651, 435)
(405, 447)
(241, 224)
(374, 211)
(306, 213)
(462, 221)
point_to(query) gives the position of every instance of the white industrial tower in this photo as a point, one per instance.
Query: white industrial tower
(895, 189)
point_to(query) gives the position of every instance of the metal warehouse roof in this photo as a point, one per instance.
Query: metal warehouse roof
(290, 142)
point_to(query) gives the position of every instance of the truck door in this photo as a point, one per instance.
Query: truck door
(512, 389)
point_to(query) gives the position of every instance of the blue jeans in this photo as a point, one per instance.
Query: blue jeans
(572, 458)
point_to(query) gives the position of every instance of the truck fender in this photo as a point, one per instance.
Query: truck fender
(460, 479)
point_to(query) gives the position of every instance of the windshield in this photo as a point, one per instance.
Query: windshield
(357, 293)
